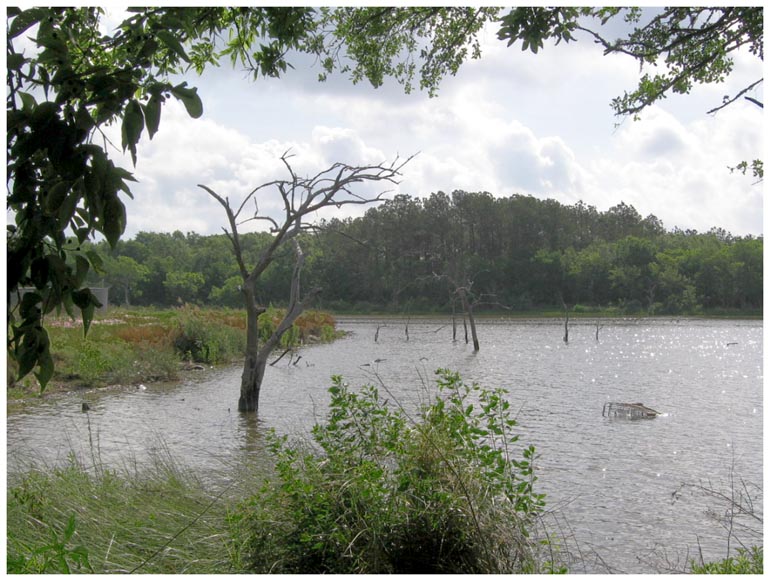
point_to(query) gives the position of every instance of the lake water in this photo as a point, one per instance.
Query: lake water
(614, 485)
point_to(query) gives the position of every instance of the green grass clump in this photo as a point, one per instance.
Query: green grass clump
(161, 520)
(384, 492)
(207, 337)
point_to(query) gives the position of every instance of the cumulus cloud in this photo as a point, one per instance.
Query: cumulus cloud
(508, 123)
(690, 185)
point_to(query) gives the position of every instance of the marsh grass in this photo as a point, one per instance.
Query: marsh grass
(160, 518)
(131, 346)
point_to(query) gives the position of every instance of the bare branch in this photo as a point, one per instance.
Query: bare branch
(233, 235)
(727, 101)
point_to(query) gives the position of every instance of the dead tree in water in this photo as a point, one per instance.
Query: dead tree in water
(566, 321)
(468, 308)
(462, 292)
(301, 197)
(454, 323)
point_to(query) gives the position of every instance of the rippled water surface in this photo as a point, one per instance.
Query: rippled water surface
(612, 482)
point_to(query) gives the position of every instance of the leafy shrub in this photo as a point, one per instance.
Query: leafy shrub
(205, 339)
(92, 362)
(380, 492)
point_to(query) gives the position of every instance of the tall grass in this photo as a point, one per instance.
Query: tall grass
(160, 519)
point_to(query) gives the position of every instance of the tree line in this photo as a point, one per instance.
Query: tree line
(413, 254)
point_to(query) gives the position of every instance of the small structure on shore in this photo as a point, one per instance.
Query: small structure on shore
(613, 409)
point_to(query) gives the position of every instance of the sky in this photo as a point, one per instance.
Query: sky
(508, 123)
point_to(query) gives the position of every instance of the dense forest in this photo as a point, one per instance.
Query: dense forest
(413, 254)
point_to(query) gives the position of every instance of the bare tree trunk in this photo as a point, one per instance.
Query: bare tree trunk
(251, 379)
(251, 383)
(256, 357)
(469, 309)
(454, 323)
(566, 322)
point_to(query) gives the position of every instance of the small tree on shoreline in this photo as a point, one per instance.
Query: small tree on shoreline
(301, 196)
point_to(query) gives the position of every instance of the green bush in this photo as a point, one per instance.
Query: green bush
(206, 339)
(381, 491)
(748, 562)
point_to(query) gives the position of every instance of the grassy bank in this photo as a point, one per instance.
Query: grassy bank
(130, 346)
(162, 519)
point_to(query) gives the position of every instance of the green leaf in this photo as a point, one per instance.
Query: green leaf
(45, 363)
(114, 219)
(152, 114)
(29, 309)
(189, 98)
(15, 61)
(86, 302)
(133, 125)
(70, 528)
(56, 196)
(26, 20)
(68, 204)
(27, 100)
(94, 259)
(172, 42)
(39, 272)
(81, 270)
(34, 344)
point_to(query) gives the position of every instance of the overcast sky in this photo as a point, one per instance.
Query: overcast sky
(509, 123)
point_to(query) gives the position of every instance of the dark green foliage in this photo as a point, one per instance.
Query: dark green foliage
(523, 252)
(446, 490)
(385, 42)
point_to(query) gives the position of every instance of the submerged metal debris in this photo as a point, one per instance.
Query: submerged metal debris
(628, 410)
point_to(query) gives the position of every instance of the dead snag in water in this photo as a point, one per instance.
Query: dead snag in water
(303, 198)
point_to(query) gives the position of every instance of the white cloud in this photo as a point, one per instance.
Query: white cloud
(509, 123)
